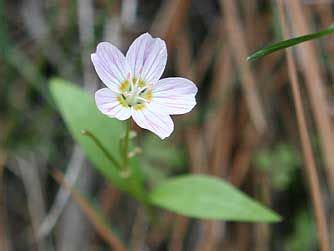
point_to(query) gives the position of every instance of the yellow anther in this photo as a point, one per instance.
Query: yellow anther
(148, 95)
(139, 107)
(122, 101)
(124, 86)
(141, 83)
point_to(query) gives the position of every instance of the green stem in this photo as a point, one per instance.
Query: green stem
(103, 149)
(126, 145)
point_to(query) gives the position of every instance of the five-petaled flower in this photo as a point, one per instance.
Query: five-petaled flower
(134, 88)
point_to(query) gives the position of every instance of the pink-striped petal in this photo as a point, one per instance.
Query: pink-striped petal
(154, 119)
(110, 64)
(107, 102)
(147, 58)
(175, 95)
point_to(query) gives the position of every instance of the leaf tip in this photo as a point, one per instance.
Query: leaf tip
(278, 218)
(252, 57)
(273, 217)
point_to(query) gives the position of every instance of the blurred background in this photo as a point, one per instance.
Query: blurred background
(244, 128)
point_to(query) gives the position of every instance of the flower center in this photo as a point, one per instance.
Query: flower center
(135, 93)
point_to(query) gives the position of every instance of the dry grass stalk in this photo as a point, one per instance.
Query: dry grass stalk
(183, 56)
(72, 173)
(139, 230)
(310, 166)
(160, 231)
(196, 150)
(219, 128)
(31, 179)
(242, 159)
(206, 53)
(315, 86)
(210, 236)
(102, 230)
(109, 197)
(170, 19)
(178, 233)
(262, 231)
(238, 46)
(223, 141)
(243, 240)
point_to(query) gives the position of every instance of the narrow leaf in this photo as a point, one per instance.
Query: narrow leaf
(206, 197)
(288, 43)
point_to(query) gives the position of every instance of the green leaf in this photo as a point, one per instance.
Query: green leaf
(79, 112)
(206, 197)
(288, 43)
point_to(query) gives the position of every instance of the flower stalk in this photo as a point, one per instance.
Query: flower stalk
(124, 166)
(102, 148)
(125, 169)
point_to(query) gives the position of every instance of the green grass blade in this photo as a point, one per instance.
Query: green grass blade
(288, 43)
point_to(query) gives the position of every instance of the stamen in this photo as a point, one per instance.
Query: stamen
(142, 89)
(132, 85)
(137, 81)
(142, 99)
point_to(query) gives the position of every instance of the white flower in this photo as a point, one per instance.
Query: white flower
(134, 88)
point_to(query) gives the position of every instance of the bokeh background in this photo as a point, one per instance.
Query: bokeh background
(244, 128)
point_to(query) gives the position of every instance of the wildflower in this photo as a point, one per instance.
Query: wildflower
(135, 88)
